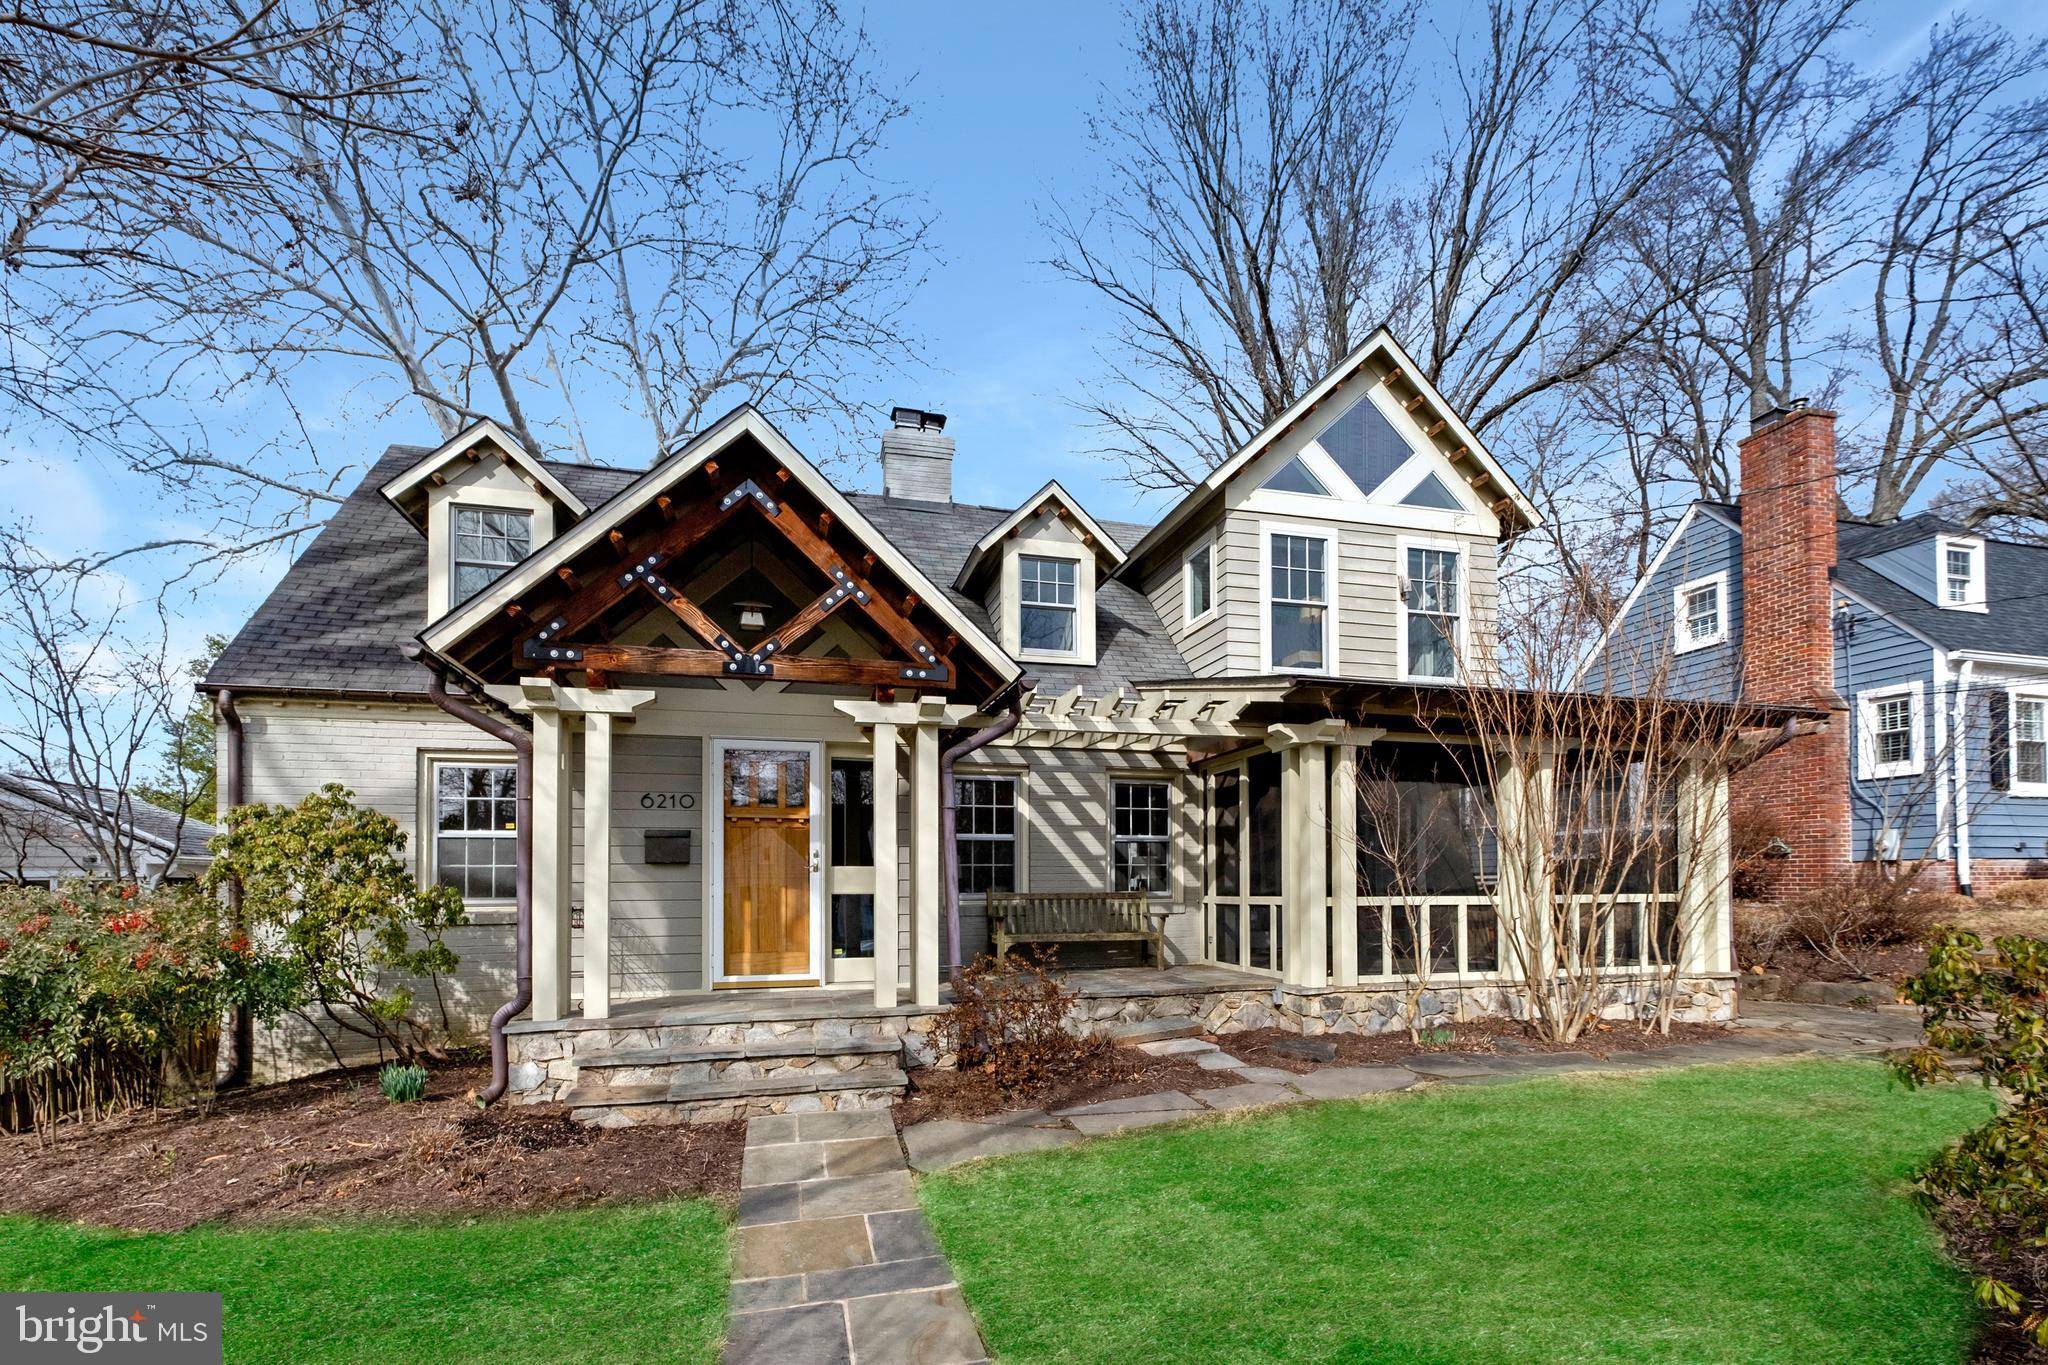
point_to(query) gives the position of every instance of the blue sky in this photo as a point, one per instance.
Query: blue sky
(1001, 99)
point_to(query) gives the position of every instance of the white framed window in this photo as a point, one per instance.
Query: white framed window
(1141, 835)
(1198, 583)
(1891, 732)
(476, 829)
(1297, 616)
(487, 542)
(985, 833)
(1432, 610)
(2029, 744)
(1699, 613)
(1959, 570)
(1048, 605)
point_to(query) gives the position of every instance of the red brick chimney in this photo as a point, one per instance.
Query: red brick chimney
(1788, 655)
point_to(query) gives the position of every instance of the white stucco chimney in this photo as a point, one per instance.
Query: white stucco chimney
(917, 457)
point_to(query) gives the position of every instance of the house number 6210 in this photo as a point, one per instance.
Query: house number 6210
(667, 801)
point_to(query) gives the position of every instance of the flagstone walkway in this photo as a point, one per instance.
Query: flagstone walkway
(835, 1263)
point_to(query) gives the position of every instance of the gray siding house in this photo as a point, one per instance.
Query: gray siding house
(730, 691)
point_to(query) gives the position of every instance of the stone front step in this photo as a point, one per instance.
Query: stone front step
(727, 1052)
(718, 1100)
(743, 1064)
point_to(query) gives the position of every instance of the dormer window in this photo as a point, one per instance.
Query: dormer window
(1199, 572)
(487, 542)
(1048, 604)
(1699, 612)
(1961, 583)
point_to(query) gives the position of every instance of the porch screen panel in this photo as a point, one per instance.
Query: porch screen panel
(1223, 853)
(1263, 776)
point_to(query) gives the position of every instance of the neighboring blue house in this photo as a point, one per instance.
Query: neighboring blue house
(1939, 655)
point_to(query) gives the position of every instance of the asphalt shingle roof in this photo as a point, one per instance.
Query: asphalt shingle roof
(152, 823)
(334, 624)
(2015, 585)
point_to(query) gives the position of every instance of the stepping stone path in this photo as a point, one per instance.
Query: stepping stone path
(1766, 1029)
(835, 1263)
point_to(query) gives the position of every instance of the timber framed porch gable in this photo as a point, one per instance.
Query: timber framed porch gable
(710, 513)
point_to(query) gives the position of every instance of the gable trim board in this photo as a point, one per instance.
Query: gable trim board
(1381, 342)
(397, 491)
(443, 633)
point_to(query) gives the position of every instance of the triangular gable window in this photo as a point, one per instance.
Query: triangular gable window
(1431, 492)
(1294, 477)
(1365, 445)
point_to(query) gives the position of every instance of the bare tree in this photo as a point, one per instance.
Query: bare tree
(1255, 229)
(678, 199)
(86, 694)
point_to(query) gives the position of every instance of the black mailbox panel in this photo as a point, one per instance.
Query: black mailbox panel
(669, 847)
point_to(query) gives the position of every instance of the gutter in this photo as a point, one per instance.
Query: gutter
(949, 817)
(522, 745)
(1961, 800)
(228, 794)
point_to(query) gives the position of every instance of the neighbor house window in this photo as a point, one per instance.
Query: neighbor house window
(1891, 732)
(1432, 596)
(1199, 571)
(1299, 601)
(2030, 744)
(1139, 837)
(476, 829)
(1048, 604)
(1962, 573)
(1701, 612)
(488, 541)
(985, 832)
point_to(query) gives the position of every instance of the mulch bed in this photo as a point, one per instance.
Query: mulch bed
(332, 1145)
(1111, 1073)
(1495, 1036)
(1979, 1251)
(1884, 968)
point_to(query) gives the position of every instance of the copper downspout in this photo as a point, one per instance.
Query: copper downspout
(949, 815)
(228, 795)
(522, 844)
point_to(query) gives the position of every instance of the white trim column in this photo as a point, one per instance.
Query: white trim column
(888, 867)
(924, 865)
(551, 797)
(1344, 864)
(1523, 825)
(1304, 853)
(597, 866)
(1706, 898)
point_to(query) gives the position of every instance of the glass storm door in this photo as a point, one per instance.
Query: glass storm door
(769, 858)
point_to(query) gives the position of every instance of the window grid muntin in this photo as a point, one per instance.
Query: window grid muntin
(2030, 741)
(485, 542)
(1433, 609)
(1048, 604)
(985, 833)
(476, 829)
(1140, 835)
(1298, 601)
(1892, 729)
(1703, 612)
(1960, 564)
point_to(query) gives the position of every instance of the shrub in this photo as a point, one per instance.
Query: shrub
(1009, 1019)
(328, 879)
(111, 996)
(1995, 1012)
(1865, 910)
(2031, 894)
(402, 1084)
(1761, 933)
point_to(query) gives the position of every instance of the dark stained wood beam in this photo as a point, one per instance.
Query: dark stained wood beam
(706, 663)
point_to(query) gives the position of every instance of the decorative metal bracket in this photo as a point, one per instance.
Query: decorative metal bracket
(747, 488)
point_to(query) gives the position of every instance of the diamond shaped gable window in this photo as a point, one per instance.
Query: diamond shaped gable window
(1294, 477)
(1431, 492)
(1365, 445)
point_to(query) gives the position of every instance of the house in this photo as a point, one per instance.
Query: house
(732, 691)
(1926, 642)
(54, 831)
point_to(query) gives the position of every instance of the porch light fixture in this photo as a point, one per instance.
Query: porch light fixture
(753, 615)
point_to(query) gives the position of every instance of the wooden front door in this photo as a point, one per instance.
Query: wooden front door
(767, 863)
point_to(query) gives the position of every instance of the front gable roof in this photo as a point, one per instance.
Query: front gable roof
(1510, 505)
(534, 617)
(1049, 500)
(407, 491)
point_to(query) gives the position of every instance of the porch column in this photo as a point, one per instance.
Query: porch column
(924, 864)
(597, 866)
(1706, 904)
(888, 937)
(1524, 826)
(1344, 864)
(550, 865)
(1304, 862)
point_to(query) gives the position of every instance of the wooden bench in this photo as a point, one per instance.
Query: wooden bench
(1078, 917)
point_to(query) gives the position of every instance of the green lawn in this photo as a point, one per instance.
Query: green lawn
(634, 1284)
(1733, 1213)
